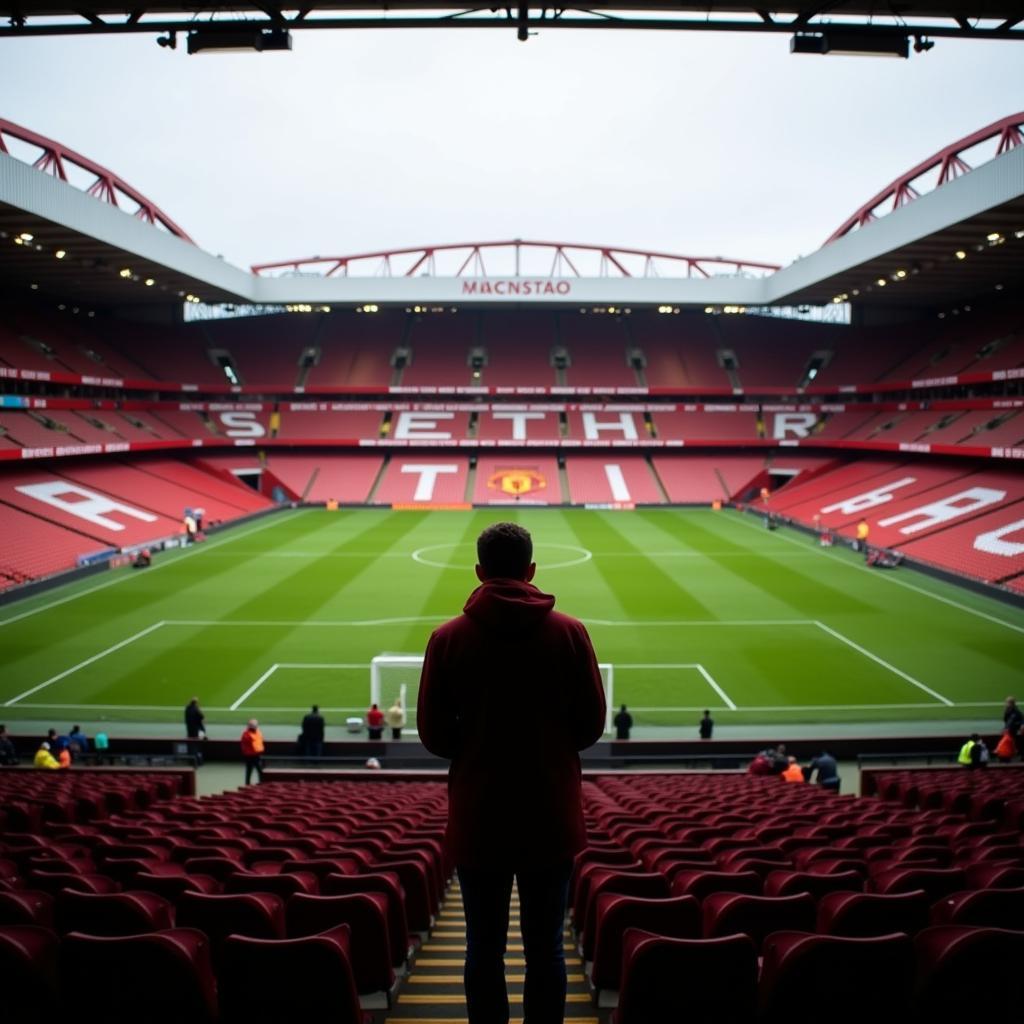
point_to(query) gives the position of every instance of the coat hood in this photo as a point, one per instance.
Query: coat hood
(510, 606)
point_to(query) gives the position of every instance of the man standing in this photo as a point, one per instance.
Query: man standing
(862, 537)
(510, 693)
(395, 718)
(252, 751)
(828, 771)
(1013, 723)
(374, 722)
(195, 728)
(313, 733)
(706, 726)
(623, 722)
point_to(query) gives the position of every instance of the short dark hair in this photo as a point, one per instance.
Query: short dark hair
(505, 550)
(316, 708)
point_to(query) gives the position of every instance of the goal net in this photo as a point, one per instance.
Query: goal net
(398, 675)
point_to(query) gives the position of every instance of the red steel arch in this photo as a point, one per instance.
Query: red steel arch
(55, 158)
(468, 258)
(1006, 133)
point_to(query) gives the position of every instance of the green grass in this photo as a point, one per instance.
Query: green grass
(679, 601)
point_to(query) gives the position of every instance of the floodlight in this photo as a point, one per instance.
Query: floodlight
(851, 43)
(239, 40)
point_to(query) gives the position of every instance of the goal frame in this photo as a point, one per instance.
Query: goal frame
(413, 660)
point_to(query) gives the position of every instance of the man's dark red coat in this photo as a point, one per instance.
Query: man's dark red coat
(510, 693)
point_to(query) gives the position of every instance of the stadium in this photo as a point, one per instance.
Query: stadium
(786, 495)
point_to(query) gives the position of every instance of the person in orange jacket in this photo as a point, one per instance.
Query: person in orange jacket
(793, 772)
(252, 751)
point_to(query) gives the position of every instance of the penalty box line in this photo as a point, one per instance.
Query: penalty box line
(289, 664)
(708, 678)
(885, 664)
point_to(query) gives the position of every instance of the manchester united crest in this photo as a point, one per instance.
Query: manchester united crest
(517, 481)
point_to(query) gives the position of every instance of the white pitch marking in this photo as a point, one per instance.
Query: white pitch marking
(695, 665)
(810, 707)
(881, 661)
(255, 686)
(714, 686)
(312, 622)
(159, 565)
(891, 578)
(82, 664)
(700, 622)
(290, 664)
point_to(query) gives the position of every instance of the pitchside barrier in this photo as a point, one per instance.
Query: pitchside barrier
(398, 675)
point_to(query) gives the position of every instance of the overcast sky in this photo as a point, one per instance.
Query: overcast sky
(692, 143)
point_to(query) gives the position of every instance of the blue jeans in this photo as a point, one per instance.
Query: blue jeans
(543, 893)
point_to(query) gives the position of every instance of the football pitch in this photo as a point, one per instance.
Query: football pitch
(693, 609)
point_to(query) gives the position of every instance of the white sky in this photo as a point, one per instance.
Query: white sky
(693, 143)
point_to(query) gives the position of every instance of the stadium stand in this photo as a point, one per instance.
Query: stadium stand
(298, 422)
(528, 479)
(120, 525)
(612, 479)
(518, 423)
(440, 350)
(43, 547)
(597, 347)
(323, 476)
(710, 424)
(695, 479)
(423, 480)
(680, 350)
(986, 548)
(519, 347)
(355, 350)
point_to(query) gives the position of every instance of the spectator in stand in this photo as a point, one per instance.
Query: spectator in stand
(512, 674)
(793, 772)
(312, 736)
(623, 722)
(970, 752)
(43, 758)
(862, 537)
(76, 736)
(395, 718)
(64, 757)
(252, 751)
(374, 722)
(1013, 723)
(706, 726)
(8, 753)
(195, 728)
(827, 770)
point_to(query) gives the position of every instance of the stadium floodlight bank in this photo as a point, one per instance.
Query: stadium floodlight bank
(398, 675)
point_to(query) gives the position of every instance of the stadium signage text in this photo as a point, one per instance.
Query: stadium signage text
(516, 286)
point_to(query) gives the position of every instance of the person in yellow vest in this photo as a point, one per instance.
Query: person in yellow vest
(395, 718)
(43, 758)
(970, 752)
(793, 772)
(862, 536)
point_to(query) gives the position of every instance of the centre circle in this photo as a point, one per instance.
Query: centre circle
(421, 555)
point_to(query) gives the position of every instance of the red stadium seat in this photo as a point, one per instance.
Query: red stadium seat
(785, 883)
(730, 913)
(808, 977)
(28, 967)
(962, 969)
(26, 907)
(982, 908)
(366, 916)
(118, 913)
(701, 884)
(163, 977)
(278, 980)
(863, 914)
(675, 917)
(703, 981)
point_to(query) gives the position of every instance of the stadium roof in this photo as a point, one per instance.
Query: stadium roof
(872, 21)
(961, 239)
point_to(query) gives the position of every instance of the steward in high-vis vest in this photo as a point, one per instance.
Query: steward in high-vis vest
(970, 752)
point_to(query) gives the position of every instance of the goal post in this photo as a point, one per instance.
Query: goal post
(398, 675)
